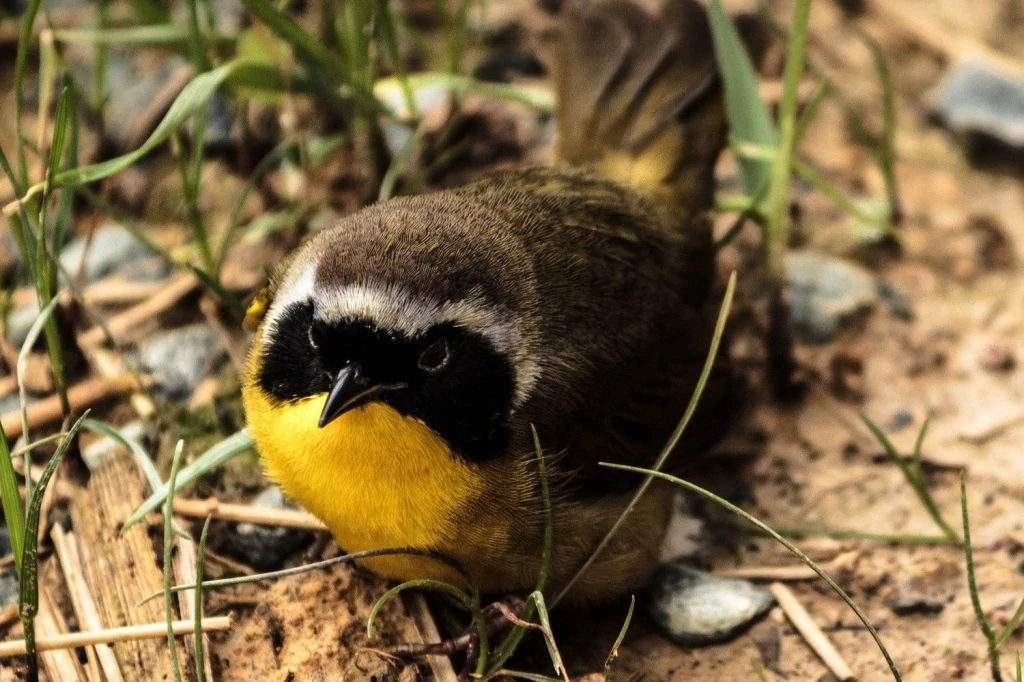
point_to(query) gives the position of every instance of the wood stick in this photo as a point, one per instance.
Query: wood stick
(811, 633)
(59, 664)
(81, 396)
(121, 566)
(8, 615)
(82, 601)
(129, 633)
(110, 291)
(775, 573)
(285, 518)
(946, 42)
(185, 568)
(121, 326)
(441, 666)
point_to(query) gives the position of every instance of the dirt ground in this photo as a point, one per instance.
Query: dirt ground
(810, 463)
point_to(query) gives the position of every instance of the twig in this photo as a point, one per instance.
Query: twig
(82, 601)
(811, 633)
(121, 326)
(440, 666)
(16, 647)
(80, 396)
(775, 573)
(952, 45)
(8, 615)
(285, 518)
(184, 565)
(110, 291)
(59, 664)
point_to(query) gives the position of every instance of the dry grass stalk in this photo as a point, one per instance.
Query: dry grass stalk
(59, 664)
(110, 364)
(123, 327)
(81, 396)
(8, 614)
(185, 573)
(811, 633)
(82, 600)
(286, 518)
(129, 633)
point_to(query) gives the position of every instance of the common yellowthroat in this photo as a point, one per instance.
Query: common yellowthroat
(402, 355)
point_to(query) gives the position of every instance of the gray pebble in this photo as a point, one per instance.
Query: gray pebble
(179, 358)
(694, 608)
(976, 98)
(911, 604)
(9, 575)
(19, 321)
(111, 249)
(826, 293)
(96, 453)
(265, 547)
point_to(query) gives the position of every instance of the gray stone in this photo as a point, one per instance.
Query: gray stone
(266, 547)
(179, 358)
(97, 452)
(9, 575)
(826, 293)
(913, 604)
(976, 98)
(694, 608)
(110, 250)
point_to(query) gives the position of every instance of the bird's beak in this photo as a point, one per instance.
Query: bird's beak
(351, 389)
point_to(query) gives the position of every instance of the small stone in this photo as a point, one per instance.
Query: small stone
(693, 608)
(826, 293)
(97, 452)
(911, 604)
(998, 356)
(107, 251)
(901, 419)
(896, 302)
(977, 99)
(179, 358)
(266, 547)
(9, 575)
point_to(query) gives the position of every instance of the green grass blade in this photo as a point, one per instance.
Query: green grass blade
(914, 478)
(749, 120)
(21, 366)
(722, 502)
(191, 99)
(1011, 626)
(709, 363)
(972, 584)
(777, 224)
(20, 63)
(422, 584)
(169, 566)
(306, 45)
(28, 582)
(230, 447)
(614, 652)
(197, 608)
(10, 496)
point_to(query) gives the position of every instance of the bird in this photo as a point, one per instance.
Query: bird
(403, 358)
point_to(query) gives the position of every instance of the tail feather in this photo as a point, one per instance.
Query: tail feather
(639, 99)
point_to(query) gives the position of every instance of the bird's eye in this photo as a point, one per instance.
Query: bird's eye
(434, 357)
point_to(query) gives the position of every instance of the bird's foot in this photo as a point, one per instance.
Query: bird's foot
(498, 618)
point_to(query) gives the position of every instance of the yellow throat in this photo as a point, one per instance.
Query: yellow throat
(377, 478)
